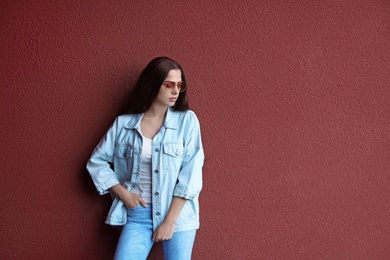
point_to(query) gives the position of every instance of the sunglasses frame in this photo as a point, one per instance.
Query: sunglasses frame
(180, 87)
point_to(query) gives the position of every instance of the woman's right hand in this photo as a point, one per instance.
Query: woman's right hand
(131, 200)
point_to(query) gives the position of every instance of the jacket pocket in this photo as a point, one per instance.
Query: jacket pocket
(124, 157)
(172, 156)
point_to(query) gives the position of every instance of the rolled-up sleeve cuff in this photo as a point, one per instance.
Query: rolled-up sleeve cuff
(104, 187)
(182, 193)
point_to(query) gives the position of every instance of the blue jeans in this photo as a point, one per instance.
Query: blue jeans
(135, 241)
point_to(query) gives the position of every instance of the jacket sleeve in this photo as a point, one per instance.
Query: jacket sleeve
(98, 164)
(189, 182)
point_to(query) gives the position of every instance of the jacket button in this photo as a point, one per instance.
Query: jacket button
(156, 171)
(157, 150)
(158, 213)
(156, 193)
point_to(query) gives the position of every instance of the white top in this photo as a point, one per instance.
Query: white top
(144, 188)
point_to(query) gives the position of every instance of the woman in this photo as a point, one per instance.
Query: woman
(150, 160)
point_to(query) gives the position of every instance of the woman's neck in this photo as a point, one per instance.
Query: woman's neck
(152, 121)
(156, 112)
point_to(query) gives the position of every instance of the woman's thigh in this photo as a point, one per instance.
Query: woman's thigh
(135, 241)
(179, 246)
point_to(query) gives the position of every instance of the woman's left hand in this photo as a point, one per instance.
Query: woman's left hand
(163, 232)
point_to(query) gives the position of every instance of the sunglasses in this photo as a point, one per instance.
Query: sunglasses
(170, 85)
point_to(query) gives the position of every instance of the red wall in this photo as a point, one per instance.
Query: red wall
(293, 98)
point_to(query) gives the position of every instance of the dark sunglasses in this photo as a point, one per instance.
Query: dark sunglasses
(170, 85)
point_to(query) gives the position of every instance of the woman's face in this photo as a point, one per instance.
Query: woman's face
(168, 96)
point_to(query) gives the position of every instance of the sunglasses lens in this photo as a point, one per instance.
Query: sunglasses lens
(181, 86)
(170, 85)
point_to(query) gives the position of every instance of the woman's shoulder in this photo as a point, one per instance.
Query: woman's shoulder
(186, 118)
(126, 119)
(188, 114)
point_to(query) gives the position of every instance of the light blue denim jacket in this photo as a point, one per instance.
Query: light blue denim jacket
(177, 161)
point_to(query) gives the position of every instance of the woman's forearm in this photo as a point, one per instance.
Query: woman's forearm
(175, 209)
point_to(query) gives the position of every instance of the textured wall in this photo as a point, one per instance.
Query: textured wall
(293, 98)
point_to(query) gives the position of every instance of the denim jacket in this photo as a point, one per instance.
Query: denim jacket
(177, 161)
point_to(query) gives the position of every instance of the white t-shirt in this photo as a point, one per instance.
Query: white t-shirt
(144, 188)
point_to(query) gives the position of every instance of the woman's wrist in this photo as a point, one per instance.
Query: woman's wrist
(119, 191)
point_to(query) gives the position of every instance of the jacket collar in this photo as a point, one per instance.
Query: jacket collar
(169, 122)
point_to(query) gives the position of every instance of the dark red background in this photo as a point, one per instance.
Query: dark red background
(293, 99)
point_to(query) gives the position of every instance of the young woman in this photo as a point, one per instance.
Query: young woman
(150, 160)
